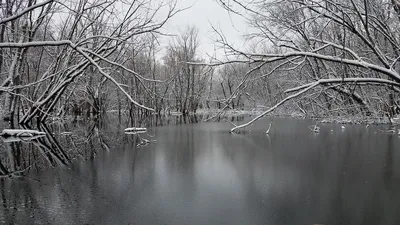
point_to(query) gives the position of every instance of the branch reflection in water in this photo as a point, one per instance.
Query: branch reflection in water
(198, 173)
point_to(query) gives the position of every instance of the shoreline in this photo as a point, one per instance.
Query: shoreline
(281, 114)
(320, 119)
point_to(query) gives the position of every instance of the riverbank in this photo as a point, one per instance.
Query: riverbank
(320, 119)
(207, 114)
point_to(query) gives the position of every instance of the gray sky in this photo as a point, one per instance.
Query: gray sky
(202, 14)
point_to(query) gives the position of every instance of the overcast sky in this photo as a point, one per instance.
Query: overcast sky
(202, 13)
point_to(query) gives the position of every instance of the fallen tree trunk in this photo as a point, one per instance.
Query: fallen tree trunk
(136, 129)
(137, 132)
(21, 133)
(21, 138)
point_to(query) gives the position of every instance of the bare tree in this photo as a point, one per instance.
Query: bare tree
(342, 53)
(51, 46)
(189, 81)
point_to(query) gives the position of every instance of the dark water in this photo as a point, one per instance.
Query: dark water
(202, 174)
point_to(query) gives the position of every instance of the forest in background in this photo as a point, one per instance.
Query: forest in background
(305, 57)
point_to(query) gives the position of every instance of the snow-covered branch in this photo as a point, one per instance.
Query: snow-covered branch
(274, 57)
(23, 12)
(375, 81)
(274, 107)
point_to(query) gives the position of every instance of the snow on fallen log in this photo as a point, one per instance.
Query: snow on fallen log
(137, 132)
(176, 113)
(20, 133)
(21, 139)
(136, 129)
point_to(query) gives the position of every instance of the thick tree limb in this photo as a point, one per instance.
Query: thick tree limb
(274, 107)
(81, 52)
(376, 81)
(8, 19)
(273, 57)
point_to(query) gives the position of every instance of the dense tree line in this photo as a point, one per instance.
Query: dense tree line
(319, 57)
(88, 57)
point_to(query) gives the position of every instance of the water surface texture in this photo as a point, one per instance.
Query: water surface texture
(202, 174)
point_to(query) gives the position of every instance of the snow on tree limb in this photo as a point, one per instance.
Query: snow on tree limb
(274, 57)
(34, 44)
(375, 81)
(8, 19)
(81, 51)
(274, 107)
(110, 78)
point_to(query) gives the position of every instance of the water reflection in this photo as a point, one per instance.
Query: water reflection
(25, 154)
(81, 139)
(201, 174)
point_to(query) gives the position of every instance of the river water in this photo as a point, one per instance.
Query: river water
(201, 174)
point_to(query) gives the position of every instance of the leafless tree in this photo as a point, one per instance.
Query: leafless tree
(340, 53)
(50, 47)
(189, 81)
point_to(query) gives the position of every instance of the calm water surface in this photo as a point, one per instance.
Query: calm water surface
(202, 174)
